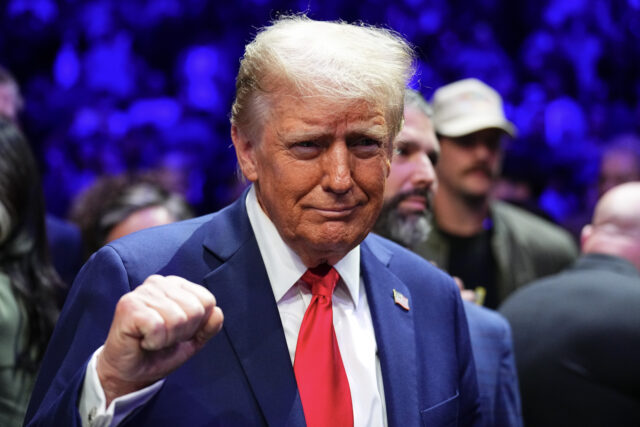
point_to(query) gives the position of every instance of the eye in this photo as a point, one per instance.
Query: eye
(305, 149)
(365, 147)
(306, 144)
(405, 149)
(433, 156)
(401, 151)
(365, 142)
(465, 141)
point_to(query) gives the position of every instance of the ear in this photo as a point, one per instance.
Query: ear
(585, 235)
(245, 152)
(389, 153)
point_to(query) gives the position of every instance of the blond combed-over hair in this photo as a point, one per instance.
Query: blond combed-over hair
(335, 60)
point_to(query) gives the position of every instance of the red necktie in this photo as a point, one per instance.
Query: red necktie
(322, 380)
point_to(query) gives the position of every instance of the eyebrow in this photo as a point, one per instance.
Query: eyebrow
(310, 131)
(375, 132)
(412, 144)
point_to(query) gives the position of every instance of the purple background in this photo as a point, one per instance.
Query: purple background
(112, 86)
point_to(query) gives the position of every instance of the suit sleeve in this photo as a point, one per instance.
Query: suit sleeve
(470, 414)
(508, 409)
(82, 328)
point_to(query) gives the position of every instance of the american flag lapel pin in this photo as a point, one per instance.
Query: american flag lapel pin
(401, 300)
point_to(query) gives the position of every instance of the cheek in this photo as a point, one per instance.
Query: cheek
(372, 177)
(288, 184)
(377, 188)
(495, 163)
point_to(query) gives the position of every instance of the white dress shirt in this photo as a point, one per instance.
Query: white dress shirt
(351, 320)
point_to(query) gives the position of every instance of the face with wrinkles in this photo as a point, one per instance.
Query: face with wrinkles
(319, 170)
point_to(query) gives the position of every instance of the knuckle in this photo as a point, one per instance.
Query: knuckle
(219, 314)
(196, 310)
(126, 302)
(176, 319)
(153, 279)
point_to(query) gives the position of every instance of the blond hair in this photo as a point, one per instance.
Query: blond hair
(335, 60)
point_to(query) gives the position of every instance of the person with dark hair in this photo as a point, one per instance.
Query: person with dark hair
(30, 289)
(115, 206)
(10, 99)
(325, 323)
(65, 243)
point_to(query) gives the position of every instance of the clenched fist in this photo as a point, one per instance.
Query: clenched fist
(155, 329)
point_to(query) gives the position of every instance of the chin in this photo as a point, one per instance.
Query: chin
(478, 190)
(338, 239)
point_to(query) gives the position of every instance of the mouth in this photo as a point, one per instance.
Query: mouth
(479, 171)
(414, 203)
(336, 212)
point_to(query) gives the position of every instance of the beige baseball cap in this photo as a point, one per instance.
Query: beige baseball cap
(467, 106)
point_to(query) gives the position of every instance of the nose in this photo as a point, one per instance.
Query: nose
(337, 166)
(482, 150)
(486, 147)
(423, 174)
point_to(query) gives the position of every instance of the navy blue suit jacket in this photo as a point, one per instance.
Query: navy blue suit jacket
(65, 247)
(496, 367)
(243, 375)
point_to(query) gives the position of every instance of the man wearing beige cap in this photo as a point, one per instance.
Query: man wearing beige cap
(492, 246)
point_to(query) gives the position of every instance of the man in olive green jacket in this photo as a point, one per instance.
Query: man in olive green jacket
(491, 246)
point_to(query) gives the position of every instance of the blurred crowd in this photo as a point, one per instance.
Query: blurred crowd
(124, 108)
(116, 86)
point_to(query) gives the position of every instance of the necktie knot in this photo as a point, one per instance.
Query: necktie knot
(322, 279)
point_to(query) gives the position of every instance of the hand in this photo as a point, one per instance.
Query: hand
(465, 294)
(155, 329)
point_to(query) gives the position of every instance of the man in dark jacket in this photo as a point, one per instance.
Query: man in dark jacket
(577, 333)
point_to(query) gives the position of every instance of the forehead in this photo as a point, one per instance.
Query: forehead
(418, 130)
(7, 89)
(617, 161)
(293, 114)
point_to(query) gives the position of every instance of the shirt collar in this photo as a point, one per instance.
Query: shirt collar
(284, 267)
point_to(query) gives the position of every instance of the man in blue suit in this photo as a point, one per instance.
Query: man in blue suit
(405, 219)
(141, 341)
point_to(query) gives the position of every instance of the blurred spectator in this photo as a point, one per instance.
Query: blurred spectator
(577, 333)
(96, 72)
(65, 247)
(115, 206)
(65, 243)
(30, 289)
(617, 162)
(620, 162)
(521, 182)
(490, 245)
(10, 100)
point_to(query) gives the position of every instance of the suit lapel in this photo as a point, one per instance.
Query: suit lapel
(252, 322)
(394, 330)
